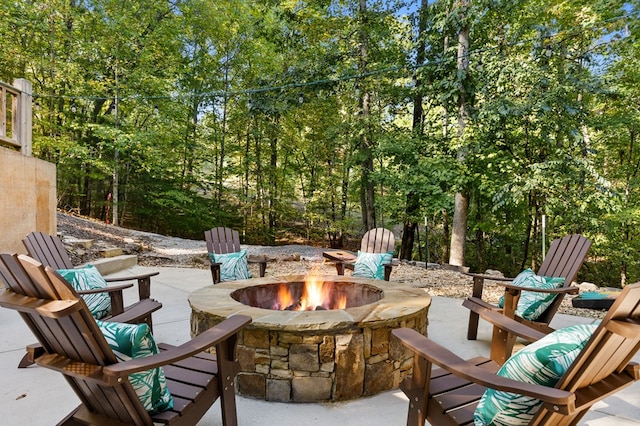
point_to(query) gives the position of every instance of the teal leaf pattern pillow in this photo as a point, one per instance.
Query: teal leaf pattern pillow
(89, 278)
(130, 341)
(532, 304)
(233, 266)
(371, 265)
(542, 362)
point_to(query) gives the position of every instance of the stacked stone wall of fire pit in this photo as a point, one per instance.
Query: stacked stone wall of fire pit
(306, 356)
(337, 365)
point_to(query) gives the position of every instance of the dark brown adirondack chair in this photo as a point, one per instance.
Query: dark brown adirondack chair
(449, 395)
(377, 240)
(565, 257)
(222, 240)
(75, 347)
(49, 251)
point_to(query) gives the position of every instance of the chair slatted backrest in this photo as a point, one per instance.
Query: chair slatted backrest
(610, 349)
(565, 257)
(378, 240)
(222, 240)
(48, 250)
(63, 325)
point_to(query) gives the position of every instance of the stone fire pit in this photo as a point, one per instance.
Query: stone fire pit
(322, 355)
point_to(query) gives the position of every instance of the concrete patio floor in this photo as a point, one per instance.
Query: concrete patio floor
(37, 397)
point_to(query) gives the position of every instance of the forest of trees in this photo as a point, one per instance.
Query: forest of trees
(315, 120)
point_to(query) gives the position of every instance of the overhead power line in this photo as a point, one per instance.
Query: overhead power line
(348, 77)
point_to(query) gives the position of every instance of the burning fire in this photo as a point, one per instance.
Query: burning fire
(316, 295)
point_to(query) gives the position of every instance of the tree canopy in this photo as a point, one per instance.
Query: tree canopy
(294, 120)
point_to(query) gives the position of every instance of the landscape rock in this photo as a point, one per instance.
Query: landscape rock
(584, 287)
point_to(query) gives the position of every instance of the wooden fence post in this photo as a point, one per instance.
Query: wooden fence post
(24, 113)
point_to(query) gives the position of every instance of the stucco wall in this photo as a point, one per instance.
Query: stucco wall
(27, 198)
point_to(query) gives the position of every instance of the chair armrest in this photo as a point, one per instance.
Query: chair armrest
(213, 336)
(108, 289)
(115, 294)
(37, 306)
(261, 260)
(512, 294)
(488, 277)
(478, 282)
(256, 258)
(510, 325)
(144, 283)
(561, 290)
(344, 256)
(131, 277)
(449, 361)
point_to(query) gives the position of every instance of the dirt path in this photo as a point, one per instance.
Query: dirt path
(159, 250)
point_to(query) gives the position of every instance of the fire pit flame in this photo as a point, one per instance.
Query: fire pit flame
(316, 295)
(284, 299)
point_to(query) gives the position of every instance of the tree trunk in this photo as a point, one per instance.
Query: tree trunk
(116, 178)
(273, 180)
(459, 231)
(223, 138)
(480, 249)
(367, 190)
(245, 165)
(413, 199)
(445, 235)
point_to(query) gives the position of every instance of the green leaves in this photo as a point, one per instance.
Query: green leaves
(252, 114)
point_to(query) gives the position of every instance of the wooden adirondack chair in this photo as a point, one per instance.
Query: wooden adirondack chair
(377, 240)
(449, 395)
(222, 240)
(75, 347)
(49, 251)
(565, 257)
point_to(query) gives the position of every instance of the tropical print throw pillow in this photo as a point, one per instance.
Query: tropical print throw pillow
(531, 303)
(371, 265)
(88, 278)
(233, 266)
(129, 341)
(542, 362)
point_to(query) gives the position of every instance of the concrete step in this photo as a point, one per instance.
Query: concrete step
(110, 265)
(111, 252)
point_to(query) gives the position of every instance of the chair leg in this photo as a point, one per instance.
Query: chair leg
(502, 344)
(25, 361)
(144, 288)
(215, 273)
(340, 268)
(416, 388)
(117, 302)
(227, 368)
(149, 322)
(387, 272)
(34, 350)
(472, 328)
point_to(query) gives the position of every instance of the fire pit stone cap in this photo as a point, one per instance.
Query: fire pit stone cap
(398, 301)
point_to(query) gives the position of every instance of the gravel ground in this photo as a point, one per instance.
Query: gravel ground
(159, 250)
